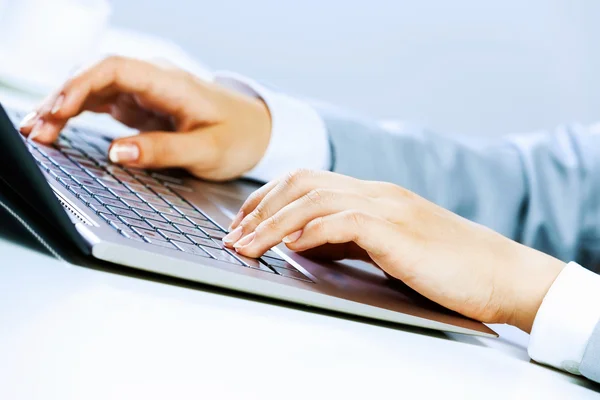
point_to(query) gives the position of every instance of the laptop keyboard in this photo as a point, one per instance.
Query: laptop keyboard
(142, 205)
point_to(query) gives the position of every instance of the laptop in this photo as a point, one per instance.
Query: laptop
(169, 223)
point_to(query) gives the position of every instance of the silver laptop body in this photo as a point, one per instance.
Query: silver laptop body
(172, 224)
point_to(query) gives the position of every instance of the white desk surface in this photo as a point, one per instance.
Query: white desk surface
(72, 332)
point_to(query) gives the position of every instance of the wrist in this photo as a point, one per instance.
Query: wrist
(246, 127)
(534, 275)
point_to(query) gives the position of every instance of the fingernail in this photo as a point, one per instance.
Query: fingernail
(236, 221)
(233, 236)
(245, 241)
(292, 237)
(36, 130)
(28, 120)
(58, 104)
(123, 152)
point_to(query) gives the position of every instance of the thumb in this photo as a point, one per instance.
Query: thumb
(164, 150)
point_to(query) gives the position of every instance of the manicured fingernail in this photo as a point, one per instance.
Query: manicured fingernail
(36, 130)
(233, 236)
(57, 104)
(123, 152)
(236, 221)
(245, 241)
(292, 237)
(28, 120)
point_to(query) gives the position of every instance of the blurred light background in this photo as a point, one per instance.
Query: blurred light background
(462, 66)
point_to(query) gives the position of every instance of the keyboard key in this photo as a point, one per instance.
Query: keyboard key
(146, 180)
(78, 159)
(136, 223)
(214, 233)
(167, 178)
(204, 242)
(149, 215)
(272, 254)
(135, 171)
(88, 182)
(112, 185)
(176, 201)
(136, 237)
(153, 199)
(138, 205)
(166, 210)
(109, 217)
(168, 245)
(58, 174)
(78, 191)
(251, 262)
(63, 161)
(102, 192)
(122, 194)
(122, 212)
(277, 262)
(192, 249)
(90, 200)
(73, 153)
(66, 182)
(126, 234)
(180, 221)
(101, 176)
(175, 236)
(91, 166)
(124, 178)
(122, 227)
(49, 151)
(163, 190)
(222, 255)
(288, 273)
(204, 223)
(138, 188)
(110, 202)
(98, 208)
(179, 188)
(73, 171)
(149, 234)
(190, 212)
(191, 231)
(163, 226)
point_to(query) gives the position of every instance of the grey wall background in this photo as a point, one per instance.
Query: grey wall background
(461, 66)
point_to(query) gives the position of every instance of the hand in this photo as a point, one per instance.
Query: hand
(187, 123)
(457, 263)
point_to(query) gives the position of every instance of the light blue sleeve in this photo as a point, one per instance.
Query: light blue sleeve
(541, 189)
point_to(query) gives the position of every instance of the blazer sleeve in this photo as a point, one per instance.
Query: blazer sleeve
(590, 365)
(541, 189)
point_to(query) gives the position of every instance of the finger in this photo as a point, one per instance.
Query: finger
(126, 110)
(264, 205)
(163, 150)
(162, 90)
(121, 109)
(294, 216)
(372, 233)
(34, 119)
(252, 201)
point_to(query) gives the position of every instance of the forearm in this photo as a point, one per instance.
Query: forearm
(538, 188)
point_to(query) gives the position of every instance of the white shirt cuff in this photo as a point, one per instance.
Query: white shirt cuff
(566, 319)
(298, 134)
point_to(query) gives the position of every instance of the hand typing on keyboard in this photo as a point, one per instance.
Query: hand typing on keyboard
(457, 263)
(220, 134)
